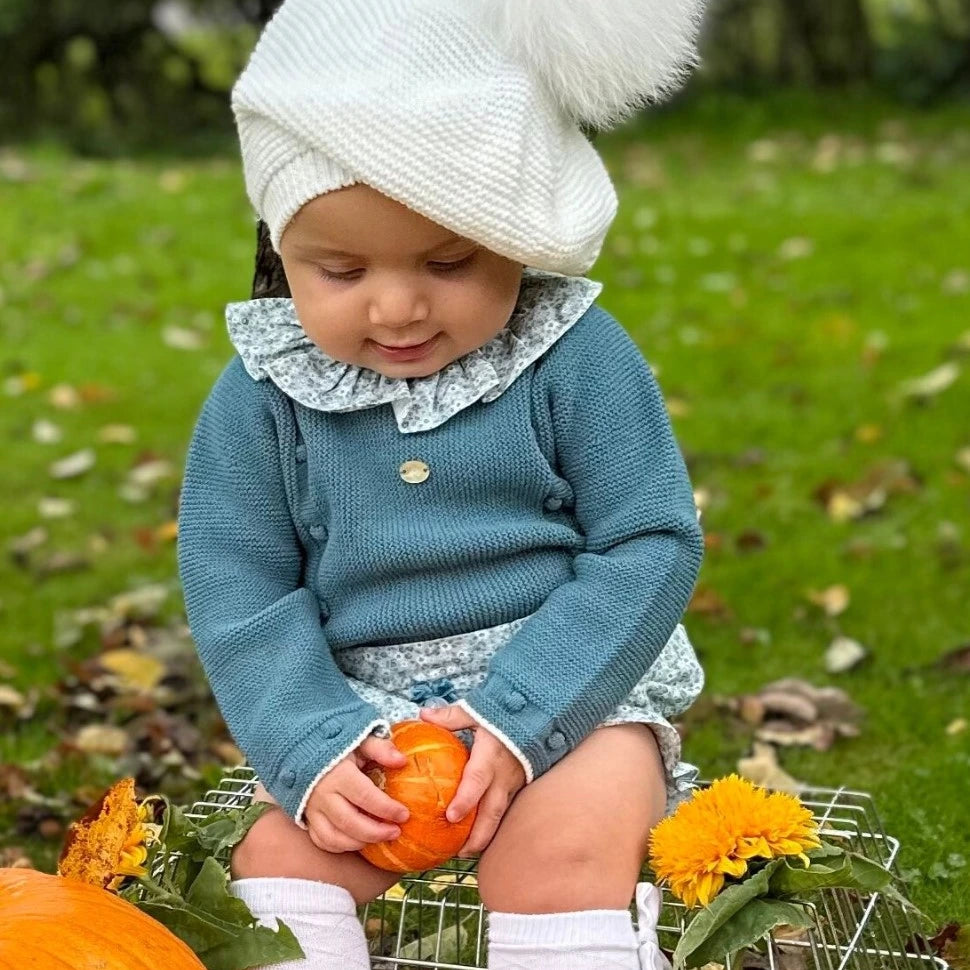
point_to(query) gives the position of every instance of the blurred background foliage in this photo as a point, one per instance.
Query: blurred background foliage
(109, 76)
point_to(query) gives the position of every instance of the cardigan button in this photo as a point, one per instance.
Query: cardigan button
(514, 702)
(288, 778)
(318, 531)
(556, 741)
(553, 504)
(300, 453)
(414, 472)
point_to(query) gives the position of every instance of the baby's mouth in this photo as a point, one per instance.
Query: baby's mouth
(405, 352)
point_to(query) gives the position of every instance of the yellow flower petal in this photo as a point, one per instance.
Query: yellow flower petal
(713, 834)
(733, 867)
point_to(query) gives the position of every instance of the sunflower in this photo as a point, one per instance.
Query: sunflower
(717, 832)
(108, 844)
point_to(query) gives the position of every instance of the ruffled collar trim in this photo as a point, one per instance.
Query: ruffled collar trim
(269, 339)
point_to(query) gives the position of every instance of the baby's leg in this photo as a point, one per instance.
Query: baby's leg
(561, 871)
(281, 874)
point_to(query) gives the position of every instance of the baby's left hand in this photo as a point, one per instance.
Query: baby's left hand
(490, 780)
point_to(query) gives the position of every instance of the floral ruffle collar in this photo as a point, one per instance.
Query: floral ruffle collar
(269, 339)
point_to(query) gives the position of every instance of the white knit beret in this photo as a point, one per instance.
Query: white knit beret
(466, 111)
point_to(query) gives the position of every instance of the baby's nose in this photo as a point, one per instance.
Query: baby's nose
(397, 307)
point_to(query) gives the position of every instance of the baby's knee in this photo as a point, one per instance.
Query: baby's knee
(276, 847)
(270, 847)
(560, 875)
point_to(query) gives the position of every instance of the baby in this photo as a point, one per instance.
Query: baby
(440, 481)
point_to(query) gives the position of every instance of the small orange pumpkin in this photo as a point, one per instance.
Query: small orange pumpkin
(49, 922)
(426, 785)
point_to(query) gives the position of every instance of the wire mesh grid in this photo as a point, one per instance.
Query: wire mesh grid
(436, 920)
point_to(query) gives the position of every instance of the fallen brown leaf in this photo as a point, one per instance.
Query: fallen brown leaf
(844, 502)
(101, 739)
(750, 540)
(708, 602)
(834, 600)
(94, 393)
(762, 768)
(957, 659)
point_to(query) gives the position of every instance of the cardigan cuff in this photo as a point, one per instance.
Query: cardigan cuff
(530, 732)
(511, 745)
(333, 738)
(372, 728)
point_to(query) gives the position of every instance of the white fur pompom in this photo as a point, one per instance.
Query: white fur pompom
(602, 59)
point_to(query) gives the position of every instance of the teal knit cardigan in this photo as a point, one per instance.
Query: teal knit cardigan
(566, 498)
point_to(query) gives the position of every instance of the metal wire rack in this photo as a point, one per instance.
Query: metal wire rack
(436, 920)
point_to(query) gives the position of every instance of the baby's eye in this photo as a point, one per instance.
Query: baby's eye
(350, 274)
(448, 267)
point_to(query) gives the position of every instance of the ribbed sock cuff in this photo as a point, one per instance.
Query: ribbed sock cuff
(272, 896)
(602, 927)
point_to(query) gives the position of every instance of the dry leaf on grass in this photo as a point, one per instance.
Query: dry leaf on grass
(843, 654)
(117, 434)
(133, 671)
(709, 602)
(51, 507)
(956, 660)
(16, 704)
(846, 501)
(792, 711)
(834, 600)
(101, 739)
(46, 432)
(762, 768)
(929, 385)
(73, 466)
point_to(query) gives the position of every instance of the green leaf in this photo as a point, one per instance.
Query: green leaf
(210, 893)
(219, 927)
(254, 946)
(197, 930)
(214, 835)
(748, 925)
(721, 909)
(841, 869)
(868, 875)
(222, 831)
(825, 851)
(791, 879)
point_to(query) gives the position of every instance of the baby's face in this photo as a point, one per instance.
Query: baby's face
(377, 285)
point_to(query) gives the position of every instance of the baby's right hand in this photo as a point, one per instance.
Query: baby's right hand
(339, 810)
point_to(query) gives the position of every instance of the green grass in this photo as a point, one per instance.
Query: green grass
(765, 356)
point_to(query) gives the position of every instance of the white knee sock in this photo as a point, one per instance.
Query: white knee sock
(323, 918)
(648, 913)
(595, 939)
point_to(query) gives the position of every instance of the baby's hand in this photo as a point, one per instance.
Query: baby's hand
(490, 780)
(345, 809)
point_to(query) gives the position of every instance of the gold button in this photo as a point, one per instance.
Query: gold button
(414, 472)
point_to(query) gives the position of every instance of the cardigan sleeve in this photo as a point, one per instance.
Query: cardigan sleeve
(257, 628)
(575, 659)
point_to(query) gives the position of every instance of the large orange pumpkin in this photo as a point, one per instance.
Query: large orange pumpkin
(426, 785)
(49, 923)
